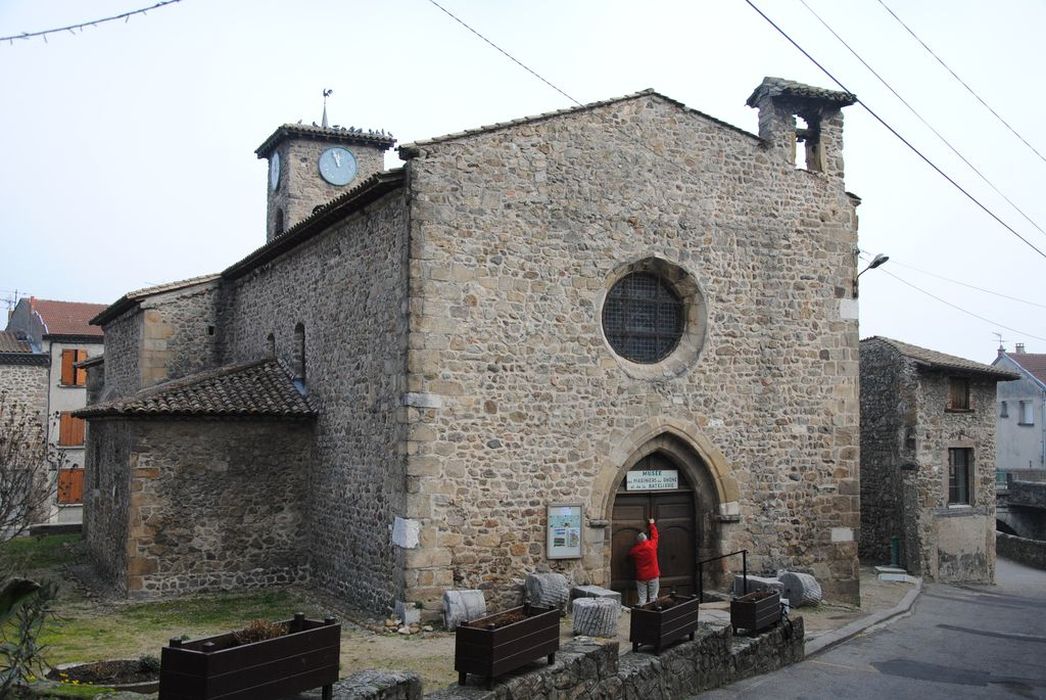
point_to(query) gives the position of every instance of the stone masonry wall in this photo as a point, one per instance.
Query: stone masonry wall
(216, 505)
(348, 288)
(887, 442)
(107, 495)
(179, 333)
(1021, 549)
(517, 234)
(958, 542)
(25, 385)
(123, 342)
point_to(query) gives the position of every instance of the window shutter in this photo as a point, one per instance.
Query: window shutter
(68, 374)
(70, 430)
(70, 486)
(81, 373)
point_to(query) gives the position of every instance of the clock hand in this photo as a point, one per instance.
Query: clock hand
(337, 159)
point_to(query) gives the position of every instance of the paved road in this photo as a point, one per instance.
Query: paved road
(958, 642)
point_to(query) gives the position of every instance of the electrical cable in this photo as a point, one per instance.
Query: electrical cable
(895, 132)
(920, 117)
(962, 82)
(125, 16)
(969, 286)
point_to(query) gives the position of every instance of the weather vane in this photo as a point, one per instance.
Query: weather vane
(326, 94)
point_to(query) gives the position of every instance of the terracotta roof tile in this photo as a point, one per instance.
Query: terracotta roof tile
(1034, 363)
(10, 342)
(67, 317)
(940, 360)
(333, 134)
(127, 301)
(258, 389)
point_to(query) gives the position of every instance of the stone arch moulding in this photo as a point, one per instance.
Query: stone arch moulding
(682, 441)
(686, 286)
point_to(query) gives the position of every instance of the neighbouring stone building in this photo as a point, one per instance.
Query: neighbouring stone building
(928, 460)
(60, 335)
(500, 358)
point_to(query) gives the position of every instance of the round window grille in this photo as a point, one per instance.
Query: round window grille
(643, 318)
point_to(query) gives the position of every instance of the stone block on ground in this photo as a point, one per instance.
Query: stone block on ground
(758, 583)
(800, 589)
(596, 617)
(461, 606)
(594, 592)
(548, 591)
(408, 613)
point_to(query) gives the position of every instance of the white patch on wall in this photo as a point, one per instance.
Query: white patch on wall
(848, 309)
(422, 400)
(731, 508)
(842, 534)
(405, 532)
(716, 423)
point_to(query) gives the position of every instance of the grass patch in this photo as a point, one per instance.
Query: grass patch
(69, 692)
(128, 631)
(39, 553)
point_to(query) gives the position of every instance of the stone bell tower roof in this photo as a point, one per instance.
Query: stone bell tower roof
(779, 87)
(327, 134)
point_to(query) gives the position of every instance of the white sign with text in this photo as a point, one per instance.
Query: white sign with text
(652, 480)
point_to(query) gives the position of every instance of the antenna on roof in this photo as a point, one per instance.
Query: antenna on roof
(326, 94)
(998, 336)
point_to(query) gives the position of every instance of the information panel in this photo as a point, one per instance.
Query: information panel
(564, 531)
(652, 480)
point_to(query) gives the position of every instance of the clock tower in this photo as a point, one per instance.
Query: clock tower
(311, 165)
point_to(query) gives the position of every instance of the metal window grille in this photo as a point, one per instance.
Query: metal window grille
(643, 318)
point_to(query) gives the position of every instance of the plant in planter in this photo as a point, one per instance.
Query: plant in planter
(663, 621)
(263, 660)
(496, 644)
(755, 611)
(139, 675)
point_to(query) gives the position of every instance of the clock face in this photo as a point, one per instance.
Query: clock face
(338, 165)
(274, 171)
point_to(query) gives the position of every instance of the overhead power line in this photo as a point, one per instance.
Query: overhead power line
(125, 16)
(967, 285)
(962, 82)
(893, 131)
(959, 308)
(920, 117)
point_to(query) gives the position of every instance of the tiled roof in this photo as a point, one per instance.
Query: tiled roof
(107, 313)
(334, 134)
(410, 149)
(1031, 362)
(67, 317)
(260, 389)
(10, 342)
(940, 360)
(779, 87)
(25, 358)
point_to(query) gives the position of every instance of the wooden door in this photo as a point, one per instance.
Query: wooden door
(676, 551)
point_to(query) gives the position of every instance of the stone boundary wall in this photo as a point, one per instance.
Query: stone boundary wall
(586, 667)
(1030, 494)
(1021, 549)
(376, 685)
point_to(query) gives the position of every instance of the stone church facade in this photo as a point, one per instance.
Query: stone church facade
(390, 397)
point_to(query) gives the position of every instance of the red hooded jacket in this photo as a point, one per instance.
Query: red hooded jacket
(644, 554)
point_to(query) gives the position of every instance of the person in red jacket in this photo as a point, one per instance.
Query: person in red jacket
(648, 574)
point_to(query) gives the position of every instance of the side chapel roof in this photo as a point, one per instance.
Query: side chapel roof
(933, 359)
(260, 389)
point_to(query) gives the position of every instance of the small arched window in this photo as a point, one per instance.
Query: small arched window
(299, 352)
(271, 344)
(278, 228)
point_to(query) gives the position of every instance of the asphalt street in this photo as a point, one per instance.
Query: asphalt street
(957, 642)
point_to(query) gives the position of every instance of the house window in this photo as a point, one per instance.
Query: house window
(1004, 411)
(960, 468)
(643, 318)
(1027, 415)
(958, 394)
(70, 430)
(70, 486)
(71, 375)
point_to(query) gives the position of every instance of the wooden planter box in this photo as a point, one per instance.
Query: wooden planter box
(487, 650)
(676, 618)
(755, 611)
(215, 667)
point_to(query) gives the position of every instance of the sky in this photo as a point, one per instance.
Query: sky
(128, 147)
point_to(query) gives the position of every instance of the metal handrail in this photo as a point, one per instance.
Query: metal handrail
(701, 577)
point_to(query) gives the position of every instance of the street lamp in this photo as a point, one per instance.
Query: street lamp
(876, 262)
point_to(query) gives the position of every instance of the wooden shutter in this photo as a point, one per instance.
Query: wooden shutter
(70, 430)
(81, 373)
(70, 486)
(68, 371)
